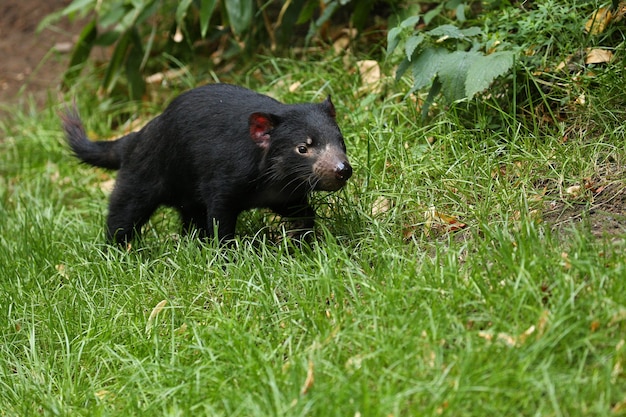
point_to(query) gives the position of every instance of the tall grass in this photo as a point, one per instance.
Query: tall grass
(383, 314)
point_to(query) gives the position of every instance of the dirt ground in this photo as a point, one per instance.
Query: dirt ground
(32, 62)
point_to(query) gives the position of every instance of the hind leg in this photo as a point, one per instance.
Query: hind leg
(194, 219)
(128, 211)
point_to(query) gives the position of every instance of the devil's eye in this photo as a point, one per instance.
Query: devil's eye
(302, 149)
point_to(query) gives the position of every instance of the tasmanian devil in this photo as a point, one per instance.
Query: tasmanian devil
(215, 151)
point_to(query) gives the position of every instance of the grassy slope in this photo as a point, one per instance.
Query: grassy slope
(506, 317)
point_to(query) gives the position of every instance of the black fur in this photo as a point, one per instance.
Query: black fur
(215, 151)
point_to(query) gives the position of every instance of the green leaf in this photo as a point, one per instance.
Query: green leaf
(181, 11)
(460, 13)
(115, 64)
(453, 73)
(483, 70)
(362, 10)
(426, 66)
(325, 16)
(136, 83)
(412, 43)
(291, 15)
(393, 38)
(430, 99)
(113, 15)
(206, 11)
(453, 32)
(108, 38)
(404, 65)
(430, 15)
(81, 52)
(146, 11)
(449, 31)
(83, 6)
(472, 31)
(410, 22)
(307, 12)
(327, 13)
(240, 14)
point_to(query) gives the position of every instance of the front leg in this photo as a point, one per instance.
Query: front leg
(301, 218)
(221, 223)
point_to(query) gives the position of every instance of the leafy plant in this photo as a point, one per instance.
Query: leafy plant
(135, 29)
(457, 62)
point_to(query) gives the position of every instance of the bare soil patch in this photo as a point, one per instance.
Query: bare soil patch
(602, 205)
(31, 66)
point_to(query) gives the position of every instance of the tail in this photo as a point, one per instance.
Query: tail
(104, 154)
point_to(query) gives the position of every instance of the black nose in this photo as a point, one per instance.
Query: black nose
(343, 171)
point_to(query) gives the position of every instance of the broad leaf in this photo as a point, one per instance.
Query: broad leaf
(426, 66)
(485, 69)
(116, 62)
(453, 73)
(393, 38)
(81, 52)
(136, 83)
(83, 6)
(404, 65)
(410, 22)
(112, 16)
(362, 11)
(431, 14)
(240, 14)
(206, 11)
(453, 32)
(472, 31)
(181, 11)
(412, 43)
(430, 99)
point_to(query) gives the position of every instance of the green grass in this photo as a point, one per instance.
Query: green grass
(519, 313)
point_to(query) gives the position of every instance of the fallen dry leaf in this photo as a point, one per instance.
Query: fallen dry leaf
(618, 317)
(61, 270)
(522, 337)
(581, 100)
(153, 314)
(103, 394)
(439, 221)
(371, 75)
(157, 309)
(507, 339)
(381, 205)
(599, 21)
(63, 47)
(294, 86)
(107, 186)
(619, 407)
(542, 323)
(595, 325)
(308, 382)
(341, 44)
(598, 56)
(620, 12)
(182, 329)
(574, 190)
(171, 74)
(514, 341)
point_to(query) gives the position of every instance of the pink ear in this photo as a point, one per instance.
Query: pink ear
(330, 107)
(260, 126)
